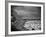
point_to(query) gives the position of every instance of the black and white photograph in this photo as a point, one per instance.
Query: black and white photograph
(22, 18)
(25, 18)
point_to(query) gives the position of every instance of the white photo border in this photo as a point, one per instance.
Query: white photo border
(23, 32)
